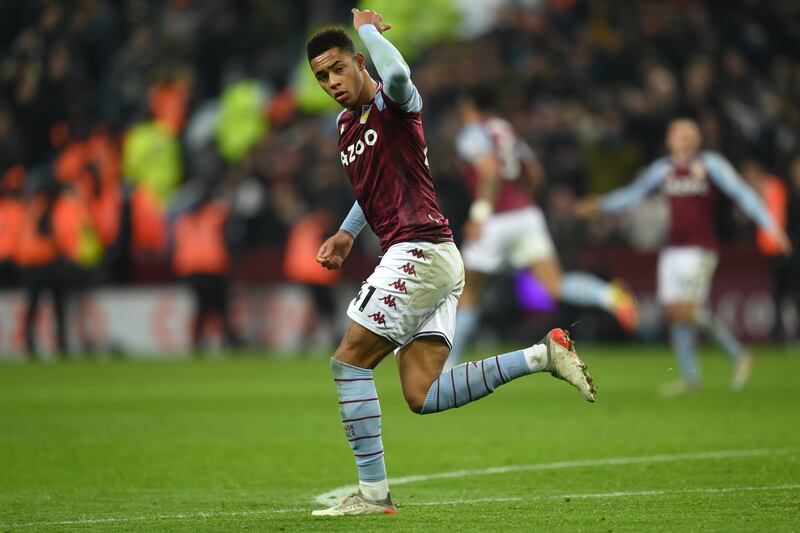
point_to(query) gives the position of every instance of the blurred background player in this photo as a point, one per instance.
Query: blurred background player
(692, 180)
(506, 228)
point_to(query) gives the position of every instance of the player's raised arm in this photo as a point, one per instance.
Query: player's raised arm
(632, 194)
(391, 67)
(728, 180)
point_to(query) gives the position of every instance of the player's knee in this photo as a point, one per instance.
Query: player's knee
(415, 402)
(415, 397)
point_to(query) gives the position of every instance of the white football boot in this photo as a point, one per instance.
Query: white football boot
(356, 504)
(564, 363)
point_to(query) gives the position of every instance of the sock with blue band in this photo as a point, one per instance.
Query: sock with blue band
(361, 417)
(473, 380)
(582, 289)
(721, 335)
(684, 336)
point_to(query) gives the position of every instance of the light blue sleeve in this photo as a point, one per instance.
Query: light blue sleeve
(355, 221)
(473, 143)
(728, 180)
(392, 69)
(636, 191)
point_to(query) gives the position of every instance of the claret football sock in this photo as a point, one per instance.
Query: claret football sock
(361, 417)
(474, 380)
(720, 334)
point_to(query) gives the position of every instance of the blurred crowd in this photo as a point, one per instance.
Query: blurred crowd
(117, 118)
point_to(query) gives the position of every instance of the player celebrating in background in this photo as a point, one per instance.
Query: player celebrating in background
(408, 303)
(691, 179)
(506, 227)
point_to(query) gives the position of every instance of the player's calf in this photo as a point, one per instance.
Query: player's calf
(474, 380)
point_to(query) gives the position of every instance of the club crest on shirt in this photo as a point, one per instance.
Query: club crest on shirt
(364, 113)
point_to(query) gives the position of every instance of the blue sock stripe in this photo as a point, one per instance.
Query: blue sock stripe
(489, 390)
(466, 378)
(446, 390)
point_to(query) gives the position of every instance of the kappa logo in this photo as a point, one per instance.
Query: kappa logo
(378, 317)
(349, 154)
(399, 284)
(418, 253)
(408, 268)
(390, 301)
(349, 431)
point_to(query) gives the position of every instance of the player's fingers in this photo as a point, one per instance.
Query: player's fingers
(324, 251)
(355, 11)
(385, 27)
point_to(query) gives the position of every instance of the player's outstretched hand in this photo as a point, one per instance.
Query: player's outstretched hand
(784, 243)
(335, 250)
(587, 207)
(369, 17)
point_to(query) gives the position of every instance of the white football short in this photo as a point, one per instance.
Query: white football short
(518, 238)
(685, 274)
(412, 293)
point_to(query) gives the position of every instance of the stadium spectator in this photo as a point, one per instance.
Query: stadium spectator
(774, 193)
(201, 258)
(38, 258)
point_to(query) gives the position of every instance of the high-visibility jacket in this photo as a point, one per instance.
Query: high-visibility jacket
(12, 217)
(148, 222)
(776, 199)
(75, 235)
(33, 247)
(200, 246)
(300, 259)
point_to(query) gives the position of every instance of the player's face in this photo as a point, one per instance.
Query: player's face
(683, 138)
(339, 74)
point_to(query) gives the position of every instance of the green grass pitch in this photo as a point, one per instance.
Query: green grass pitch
(247, 443)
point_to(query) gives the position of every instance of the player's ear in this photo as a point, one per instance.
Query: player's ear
(361, 61)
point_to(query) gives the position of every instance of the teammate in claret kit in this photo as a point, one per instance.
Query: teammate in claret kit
(692, 180)
(506, 228)
(408, 304)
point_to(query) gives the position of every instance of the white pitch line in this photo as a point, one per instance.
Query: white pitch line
(262, 512)
(334, 496)
(340, 492)
(628, 494)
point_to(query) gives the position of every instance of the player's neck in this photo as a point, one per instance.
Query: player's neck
(684, 158)
(368, 90)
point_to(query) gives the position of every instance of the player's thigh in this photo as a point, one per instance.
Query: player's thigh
(406, 289)
(531, 242)
(362, 348)
(682, 311)
(488, 253)
(685, 274)
(420, 362)
(548, 272)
